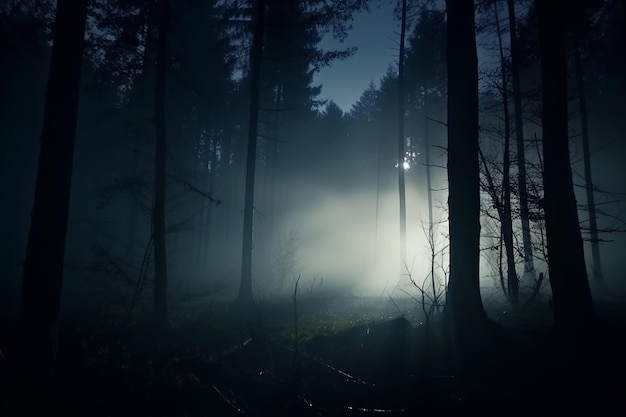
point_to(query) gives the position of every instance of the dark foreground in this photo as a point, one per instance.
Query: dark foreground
(359, 361)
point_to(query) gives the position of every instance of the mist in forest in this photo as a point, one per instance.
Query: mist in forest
(326, 188)
(329, 208)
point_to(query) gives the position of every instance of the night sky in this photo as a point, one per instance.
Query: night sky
(375, 33)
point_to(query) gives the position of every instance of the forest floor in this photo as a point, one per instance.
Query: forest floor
(353, 357)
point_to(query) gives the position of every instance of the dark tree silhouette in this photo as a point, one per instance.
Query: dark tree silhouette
(284, 29)
(426, 70)
(572, 301)
(505, 213)
(160, 184)
(529, 266)
(244, 298)
(43, 268)
(596, 264)
(464, 307)
(401, 137)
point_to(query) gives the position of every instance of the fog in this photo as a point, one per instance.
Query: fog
(340, 238)
(326, 188)
(239, 175)
(330, 218)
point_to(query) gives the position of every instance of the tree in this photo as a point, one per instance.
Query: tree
(286, 29)
(287, 102)
(595, 34)
(573, 306)
(43, 267)
(21, 32)
(365, 109)
(160, 181)
(529, 267)
(204, 118)
(464, 309)
(426, 71)
(584, 126)
(363, 124)
(505, 212)
(401, 138)
(287, 81)
(244, 298)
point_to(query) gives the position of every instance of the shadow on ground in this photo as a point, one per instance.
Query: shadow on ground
(353, 357)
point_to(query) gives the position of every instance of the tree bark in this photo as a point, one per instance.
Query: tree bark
(505, 219)
(572, 303)
(596, 265)
(529, 265)
(160, 185)
(43, 267)
(464, 307)
(429, 196)
(245, 298)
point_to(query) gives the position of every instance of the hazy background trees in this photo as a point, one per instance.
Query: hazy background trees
(329, 172)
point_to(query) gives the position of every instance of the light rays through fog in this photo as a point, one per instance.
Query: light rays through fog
(341, 241)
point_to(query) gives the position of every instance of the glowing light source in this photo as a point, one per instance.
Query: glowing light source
(406, 165)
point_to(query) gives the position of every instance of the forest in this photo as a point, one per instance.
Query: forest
(195, 225)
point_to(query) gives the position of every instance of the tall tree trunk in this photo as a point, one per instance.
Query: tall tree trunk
(274, 153)
(133, 209)
(158, 215)
(506, 221)
(377, 209)
(429, 193)
(204, 172)
(464, 307)
(401, 141)
(529, 265)
(573, 306)
(142, 114)
(43, 267)
(244, 298)
(207, 229)
(596, 265)
(498, 203)
(429, 188)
